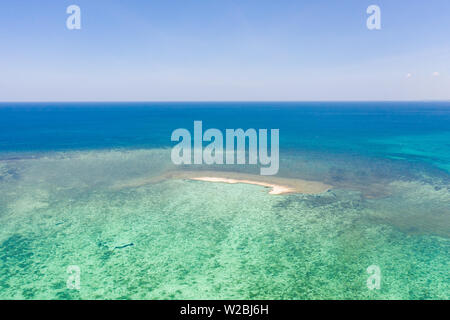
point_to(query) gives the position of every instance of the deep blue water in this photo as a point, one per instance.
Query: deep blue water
(418, 131)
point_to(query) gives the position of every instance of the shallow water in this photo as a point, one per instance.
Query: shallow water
(181, 239)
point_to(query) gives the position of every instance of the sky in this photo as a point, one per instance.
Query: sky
(224, 50)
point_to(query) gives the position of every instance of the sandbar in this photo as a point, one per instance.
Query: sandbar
(277, 185)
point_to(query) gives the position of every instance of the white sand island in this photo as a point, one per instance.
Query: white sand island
(276, 189)
(277, 185)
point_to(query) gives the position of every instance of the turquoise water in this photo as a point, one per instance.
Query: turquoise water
(66, 199)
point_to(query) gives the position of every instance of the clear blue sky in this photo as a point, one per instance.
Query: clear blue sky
(224, 50)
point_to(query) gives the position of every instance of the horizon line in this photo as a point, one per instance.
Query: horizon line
(217, 101)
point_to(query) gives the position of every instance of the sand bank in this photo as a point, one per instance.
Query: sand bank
(276, 189)
(277, 185)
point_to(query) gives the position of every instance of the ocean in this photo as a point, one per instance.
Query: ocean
(78, 188)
